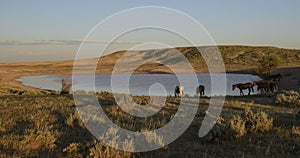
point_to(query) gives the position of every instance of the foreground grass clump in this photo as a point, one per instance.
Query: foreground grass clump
(257, 122)
(239, 125)
(288, 99)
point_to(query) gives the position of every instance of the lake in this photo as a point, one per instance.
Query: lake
(142, 84)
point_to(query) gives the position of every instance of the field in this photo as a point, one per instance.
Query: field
(49, 126)
(41, 123)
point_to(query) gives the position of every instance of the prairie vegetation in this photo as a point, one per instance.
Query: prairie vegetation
(49, 126)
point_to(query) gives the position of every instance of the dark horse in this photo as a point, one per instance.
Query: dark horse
(265, 85)
(200, 90)
(276, 77)
(243, 86)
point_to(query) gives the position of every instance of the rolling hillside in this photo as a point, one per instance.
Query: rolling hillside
(236, 58)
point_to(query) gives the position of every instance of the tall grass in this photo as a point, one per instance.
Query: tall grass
(49, 126)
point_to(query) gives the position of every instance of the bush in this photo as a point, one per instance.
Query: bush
(101, 150)
(237, 125)
(288, 99)
(219, 131)
(72, 148)
(258, 122)
(66, 86)
(267, 64)
(240, 125)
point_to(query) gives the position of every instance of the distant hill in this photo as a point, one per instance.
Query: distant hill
(234, 57)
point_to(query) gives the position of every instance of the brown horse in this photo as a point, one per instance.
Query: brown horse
(265, 85)
(276, 77)
(179, 91)
(243, 86)
(200, 90)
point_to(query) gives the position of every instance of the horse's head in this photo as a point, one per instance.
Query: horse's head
(255, 83)
(181, 89)
(177, 88)
(234, 86)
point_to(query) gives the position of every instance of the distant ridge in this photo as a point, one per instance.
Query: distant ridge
(235, 57)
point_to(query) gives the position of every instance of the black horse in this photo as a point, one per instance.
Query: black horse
(243, 86)
(200, 90)
(276, 77)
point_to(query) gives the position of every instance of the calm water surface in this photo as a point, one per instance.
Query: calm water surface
(141, 84)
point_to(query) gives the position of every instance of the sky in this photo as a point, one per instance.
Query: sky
(35, 30)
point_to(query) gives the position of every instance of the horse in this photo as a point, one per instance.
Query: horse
(200, 90)
(243, 86)
(276, 77)
(179, 91)
(265, 85)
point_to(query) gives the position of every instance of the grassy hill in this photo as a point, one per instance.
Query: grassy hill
(236, 58)
(247, 56)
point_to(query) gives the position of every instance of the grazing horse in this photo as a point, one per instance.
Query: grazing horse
(265, 85)
(200, 90)
(276, 77)
(179, 91)
(243, 86)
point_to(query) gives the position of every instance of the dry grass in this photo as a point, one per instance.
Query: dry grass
(289, 99)
(49, 126)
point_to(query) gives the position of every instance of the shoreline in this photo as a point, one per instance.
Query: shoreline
(12, 72)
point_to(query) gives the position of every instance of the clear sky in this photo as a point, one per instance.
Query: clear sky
(50, 30)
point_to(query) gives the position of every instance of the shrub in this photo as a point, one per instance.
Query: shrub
(296, 130)
(100, 150)
(288, 99)
(219, 131)
(66, 86)
(258, 122)
(237, 125)
(268, 63)
(74, 120)
(72, 148)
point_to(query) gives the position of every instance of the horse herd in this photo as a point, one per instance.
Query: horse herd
(264, 86)
(179, 90)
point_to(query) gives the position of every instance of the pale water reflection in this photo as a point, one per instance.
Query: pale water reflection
(141, 84)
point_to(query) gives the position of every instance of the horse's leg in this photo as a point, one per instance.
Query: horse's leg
(241, 92)
(265, 90)
(249, 91)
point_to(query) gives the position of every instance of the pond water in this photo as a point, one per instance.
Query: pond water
(142, 84)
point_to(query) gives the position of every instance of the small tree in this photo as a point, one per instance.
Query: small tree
(66, 85)
(267, 64)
